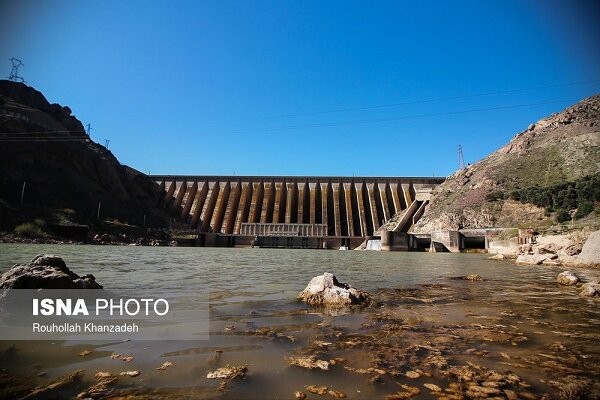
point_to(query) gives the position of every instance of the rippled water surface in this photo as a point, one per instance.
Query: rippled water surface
(455, 334)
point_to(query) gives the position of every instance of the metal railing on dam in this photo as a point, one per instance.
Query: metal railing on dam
(347, 206)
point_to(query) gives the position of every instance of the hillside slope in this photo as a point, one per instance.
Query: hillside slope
(66, 173)
(556, 149)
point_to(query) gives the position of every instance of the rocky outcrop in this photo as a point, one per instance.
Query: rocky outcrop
(326, 290)
(556, 149)
(64, 169)
(590, 253)
(552, 249)
(567, 278)
(46, 271)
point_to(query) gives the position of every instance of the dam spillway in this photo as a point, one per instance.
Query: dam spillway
(231, 210)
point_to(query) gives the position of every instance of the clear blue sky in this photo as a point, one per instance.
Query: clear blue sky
(255, 87)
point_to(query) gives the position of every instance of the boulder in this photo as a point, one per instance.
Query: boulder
(567, 278)
(46, 271)
(531, 259)
(499, 257)
(590, 289)
(590, 253)
(326, 290)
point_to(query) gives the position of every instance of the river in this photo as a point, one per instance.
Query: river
(514, 333)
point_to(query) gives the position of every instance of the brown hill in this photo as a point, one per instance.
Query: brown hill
(66, 173)
(556, 149)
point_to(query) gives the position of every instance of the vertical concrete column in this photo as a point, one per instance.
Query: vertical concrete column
(266, 215)
(349, 217)
(406, 191)
(324, 216)
(170, 190)
(374, 216)
(221, 205)
(258, 190)
(189, 200)
(360, 201)
(291, 205)
(302, 190)
(395, 197)
(384, 203)
(244, 207)
(199, 203)
(181, 188)
(279, 205)
(390, 199)
(313, 202)
(232, 208)
(209, 206)
(336, 208)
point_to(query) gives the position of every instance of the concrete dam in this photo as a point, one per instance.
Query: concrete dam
(293, 211)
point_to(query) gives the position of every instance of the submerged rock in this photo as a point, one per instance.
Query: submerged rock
(590, 289)
(567, 278)
(46, 271)
(54, 389)
(499, 257)
(228, 372)
(326, 290)
(309, 363)
(320, 390)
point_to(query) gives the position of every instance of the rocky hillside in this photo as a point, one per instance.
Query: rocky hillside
(561, 148)
(66, 173)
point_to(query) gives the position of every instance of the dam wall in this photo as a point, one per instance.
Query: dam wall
(347, 207)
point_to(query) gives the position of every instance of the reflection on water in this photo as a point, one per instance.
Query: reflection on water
(516, 333)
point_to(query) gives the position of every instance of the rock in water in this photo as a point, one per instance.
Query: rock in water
(532, 259)
(590, 253)
(46, 271)
(326, 290)
(590, 289)
(567, 278)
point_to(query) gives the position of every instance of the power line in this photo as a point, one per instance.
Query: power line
(412, 102)
(389, 119)
(306, 126)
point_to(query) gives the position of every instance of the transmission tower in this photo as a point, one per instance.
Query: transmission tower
(88, 129)
(14, 72)
(461, 160)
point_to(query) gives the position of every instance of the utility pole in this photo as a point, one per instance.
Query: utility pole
(461, 160)
(88, 129)
(14, 72)
(23, 192)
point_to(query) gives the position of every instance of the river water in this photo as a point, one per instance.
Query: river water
(516, 333)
